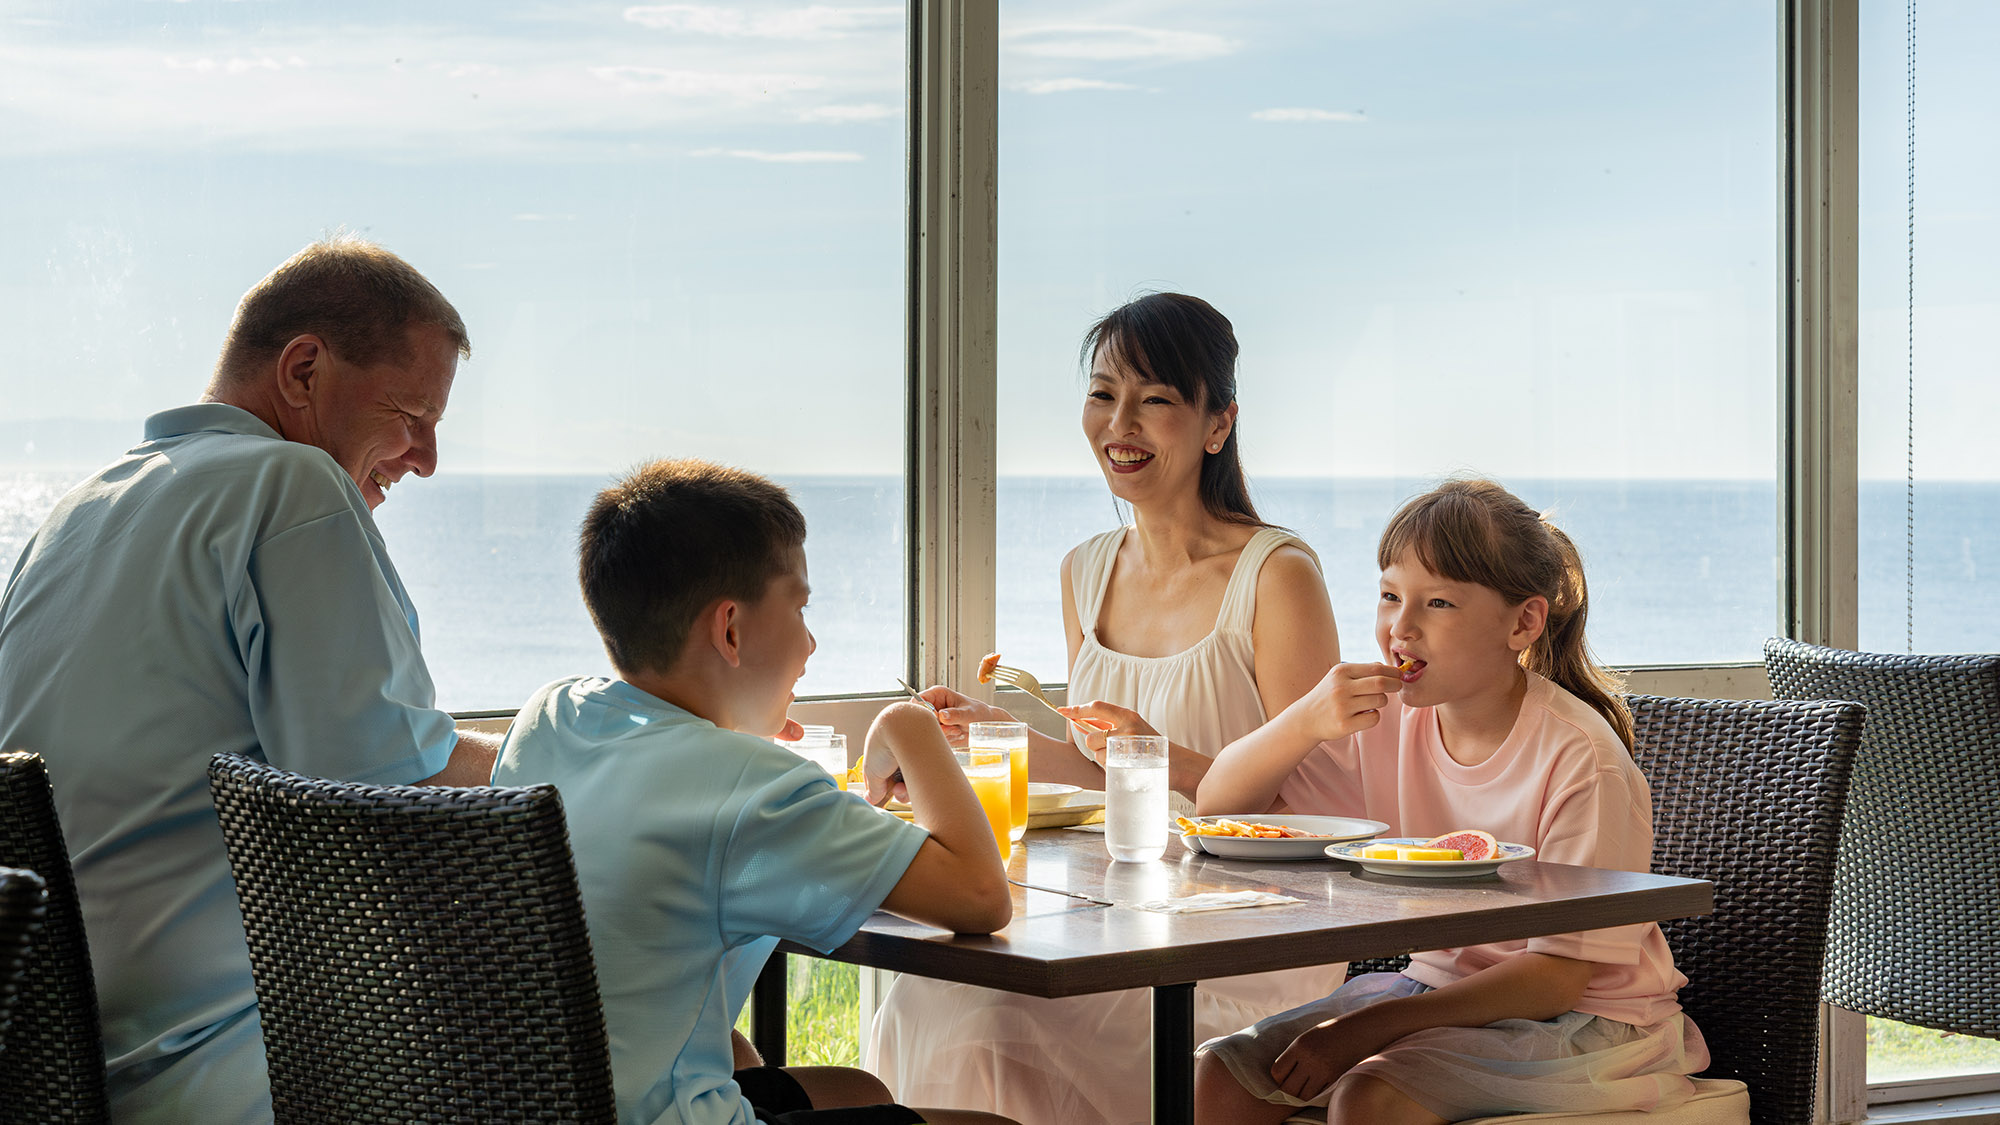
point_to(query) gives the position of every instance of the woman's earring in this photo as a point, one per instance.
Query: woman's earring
(1215, 448)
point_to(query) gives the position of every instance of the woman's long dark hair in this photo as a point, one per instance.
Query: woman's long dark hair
(1182, 342)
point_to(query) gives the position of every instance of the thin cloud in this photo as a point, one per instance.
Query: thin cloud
(702, 83)
(1315, 115)
(1069, 85)
(814, 22)
(808, 156)
(1119, 43)
(847, 114)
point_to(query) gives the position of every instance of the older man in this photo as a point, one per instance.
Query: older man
(222, 588)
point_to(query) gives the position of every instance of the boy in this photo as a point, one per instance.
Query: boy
(698, 843)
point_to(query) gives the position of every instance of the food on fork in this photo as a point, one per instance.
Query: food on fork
(986, 665)
(1247, 829)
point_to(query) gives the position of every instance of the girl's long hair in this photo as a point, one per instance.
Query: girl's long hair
(1182, 342)
(1476, 531)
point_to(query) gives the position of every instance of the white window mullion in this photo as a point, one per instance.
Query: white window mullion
(1817, 414)
(954, 77)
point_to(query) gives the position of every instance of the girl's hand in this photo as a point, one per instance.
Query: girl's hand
(1350, 698)
(956, 710)
(1318, 1058)
(1104, 720)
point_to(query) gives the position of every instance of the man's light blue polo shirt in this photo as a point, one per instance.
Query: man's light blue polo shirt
(217, 589)
(697, 848)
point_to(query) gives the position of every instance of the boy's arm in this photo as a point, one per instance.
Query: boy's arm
(956, 881)
(1249, 772)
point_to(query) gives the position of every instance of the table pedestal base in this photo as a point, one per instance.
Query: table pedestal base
(1173, 1054)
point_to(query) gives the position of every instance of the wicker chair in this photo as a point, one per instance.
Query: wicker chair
(55, 1050)
(1771, 780)
(419, 953)
(1912, 940)
(23, 902)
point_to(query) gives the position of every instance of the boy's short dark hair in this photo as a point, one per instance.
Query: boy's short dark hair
(670, 540)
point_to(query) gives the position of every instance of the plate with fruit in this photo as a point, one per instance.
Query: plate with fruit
(1454, 855)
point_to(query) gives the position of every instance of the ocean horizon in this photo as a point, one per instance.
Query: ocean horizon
(1681, 572)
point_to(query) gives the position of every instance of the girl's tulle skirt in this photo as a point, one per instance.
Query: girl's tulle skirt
(1573, 1063)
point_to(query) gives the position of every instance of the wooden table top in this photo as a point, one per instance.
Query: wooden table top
(1058, 946)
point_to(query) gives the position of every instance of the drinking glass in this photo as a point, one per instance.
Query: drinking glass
(987, 770)
(1135, 797)
(823, 748)
(1012, 738)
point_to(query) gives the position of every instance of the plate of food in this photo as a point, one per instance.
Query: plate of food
(1272, 835)
(1454, 855)
(1078, 806)
(1044, 796)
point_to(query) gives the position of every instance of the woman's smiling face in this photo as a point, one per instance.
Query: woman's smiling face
(1148, 438)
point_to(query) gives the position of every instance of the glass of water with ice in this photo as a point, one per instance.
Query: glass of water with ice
(1135, 797)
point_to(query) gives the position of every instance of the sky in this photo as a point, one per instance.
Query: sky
(1523, 237)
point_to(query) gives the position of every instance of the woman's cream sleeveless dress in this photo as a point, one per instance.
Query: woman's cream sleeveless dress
(1081, 1060)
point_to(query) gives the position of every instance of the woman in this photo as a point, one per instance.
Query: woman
(1197, 621)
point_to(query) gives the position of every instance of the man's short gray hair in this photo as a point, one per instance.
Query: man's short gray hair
(361, 299)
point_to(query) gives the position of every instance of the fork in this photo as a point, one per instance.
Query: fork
(1025, 682)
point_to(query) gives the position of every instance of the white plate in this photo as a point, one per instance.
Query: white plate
(1427, 868)
(1046, 796)
(1329, 828)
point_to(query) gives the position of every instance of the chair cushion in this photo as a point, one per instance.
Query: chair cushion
(1716, 1101)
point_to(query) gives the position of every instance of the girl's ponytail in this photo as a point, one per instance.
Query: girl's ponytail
(1476, 531)
(1562, 655)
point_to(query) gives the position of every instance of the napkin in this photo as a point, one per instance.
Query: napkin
(1217, 900)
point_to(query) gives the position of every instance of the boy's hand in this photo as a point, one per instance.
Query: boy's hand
(1350, 698)
(792, 731)
(881, 772)
(955, 710)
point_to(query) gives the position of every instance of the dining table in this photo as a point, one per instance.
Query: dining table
(1060, 945)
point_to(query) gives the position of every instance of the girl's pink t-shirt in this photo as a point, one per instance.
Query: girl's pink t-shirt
(1562, 782)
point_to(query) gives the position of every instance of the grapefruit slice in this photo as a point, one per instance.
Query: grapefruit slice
(1470, 842)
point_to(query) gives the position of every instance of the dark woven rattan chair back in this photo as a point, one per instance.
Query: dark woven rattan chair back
(419, 953)
(1749, 795)
(23, 902)
(55, 1050)
(1915, 940)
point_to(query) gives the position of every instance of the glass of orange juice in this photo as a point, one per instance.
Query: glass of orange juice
(1011, 738)
(987, 770)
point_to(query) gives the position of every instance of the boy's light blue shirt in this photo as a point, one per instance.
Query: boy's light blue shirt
(217, 589)
(697, 848)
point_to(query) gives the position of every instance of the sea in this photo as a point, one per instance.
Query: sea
(1680, 571)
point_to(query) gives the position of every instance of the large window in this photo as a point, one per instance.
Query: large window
(672, 230)
(1930, 489)
(1529, 240)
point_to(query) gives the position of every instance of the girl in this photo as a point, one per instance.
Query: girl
(1199, 621)
(1487, 713)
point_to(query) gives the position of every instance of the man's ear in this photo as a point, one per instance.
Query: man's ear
(1530, 618)
(299, 369)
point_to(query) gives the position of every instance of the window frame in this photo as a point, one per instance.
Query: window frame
(952, 380)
